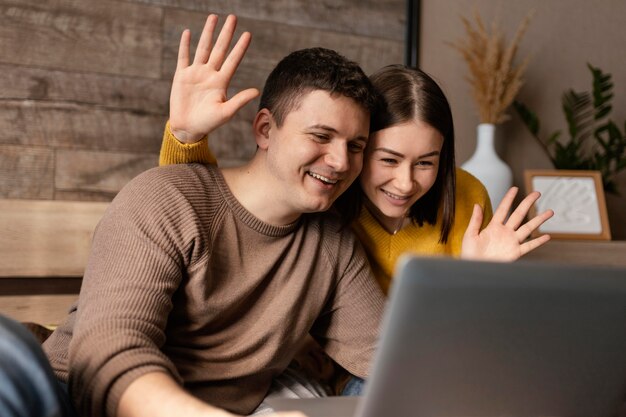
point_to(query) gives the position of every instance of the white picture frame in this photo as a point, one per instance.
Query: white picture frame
(578, 201)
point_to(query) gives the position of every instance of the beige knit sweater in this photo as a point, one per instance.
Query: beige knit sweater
(182, 279)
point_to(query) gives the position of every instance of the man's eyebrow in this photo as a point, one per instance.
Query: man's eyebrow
(327, 128)
(400, 155)
(323, 127)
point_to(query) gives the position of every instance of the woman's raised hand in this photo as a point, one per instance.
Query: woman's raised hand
(504, 239)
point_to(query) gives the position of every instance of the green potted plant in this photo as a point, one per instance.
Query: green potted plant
(595, 141)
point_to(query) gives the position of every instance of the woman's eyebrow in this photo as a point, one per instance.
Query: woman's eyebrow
(426, 155)
(391, 151)
(400, 155)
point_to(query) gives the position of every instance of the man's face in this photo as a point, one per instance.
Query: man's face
(317, 152)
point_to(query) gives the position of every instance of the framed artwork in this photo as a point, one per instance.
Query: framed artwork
(577, 198)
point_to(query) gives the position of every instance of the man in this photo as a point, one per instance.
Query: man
(202, 282)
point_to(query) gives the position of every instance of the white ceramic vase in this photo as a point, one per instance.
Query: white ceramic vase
(486, 165)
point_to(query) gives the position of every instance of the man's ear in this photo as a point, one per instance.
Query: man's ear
(262, 125)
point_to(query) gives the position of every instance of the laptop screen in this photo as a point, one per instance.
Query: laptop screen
(465, 338)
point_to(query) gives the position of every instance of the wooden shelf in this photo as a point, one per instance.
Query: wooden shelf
(582, 252)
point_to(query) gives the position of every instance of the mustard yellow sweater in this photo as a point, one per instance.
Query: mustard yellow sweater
(382, 247)
(174, 152)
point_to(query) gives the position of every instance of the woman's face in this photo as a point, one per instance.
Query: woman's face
(400, 166)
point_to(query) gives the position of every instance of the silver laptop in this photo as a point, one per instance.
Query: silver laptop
(484, 339)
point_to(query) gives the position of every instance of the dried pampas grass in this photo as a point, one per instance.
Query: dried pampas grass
(494, 79)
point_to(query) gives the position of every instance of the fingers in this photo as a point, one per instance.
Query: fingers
(533, 224)
(236, 55)
(223, 42)
(517, 217)
(505, 205)
(239, 100)
(203, 51)
(473, 227)
(215, 55)
(533, 244)
(183, 50)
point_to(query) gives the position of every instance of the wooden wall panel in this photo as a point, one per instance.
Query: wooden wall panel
(102, 36)
(99, 172)
(85, 83)
(42, 238)
(26, 172)
(47, 310)
(271, 42)
(235, 144)
(69, 125)
(25, 285)
(82, 88)
(376, 19)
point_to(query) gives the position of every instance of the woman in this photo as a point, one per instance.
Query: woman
(409, 196)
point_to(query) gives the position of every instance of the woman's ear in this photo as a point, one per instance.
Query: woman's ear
(262, 125)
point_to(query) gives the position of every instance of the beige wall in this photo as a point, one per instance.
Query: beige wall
(563, 36)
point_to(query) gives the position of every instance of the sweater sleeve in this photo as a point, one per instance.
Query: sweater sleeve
(135, 266)
(485, 202)
(175, 152)
(471, 191)
(488, 212)
(348, 329)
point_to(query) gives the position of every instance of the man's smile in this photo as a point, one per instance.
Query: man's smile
(322, 178)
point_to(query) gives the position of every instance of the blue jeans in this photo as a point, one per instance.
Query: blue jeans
(28, 387)
(354, 387)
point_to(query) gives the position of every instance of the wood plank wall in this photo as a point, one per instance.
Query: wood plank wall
(84, 84)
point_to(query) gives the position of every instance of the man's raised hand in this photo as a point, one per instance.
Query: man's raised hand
(198, 101)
